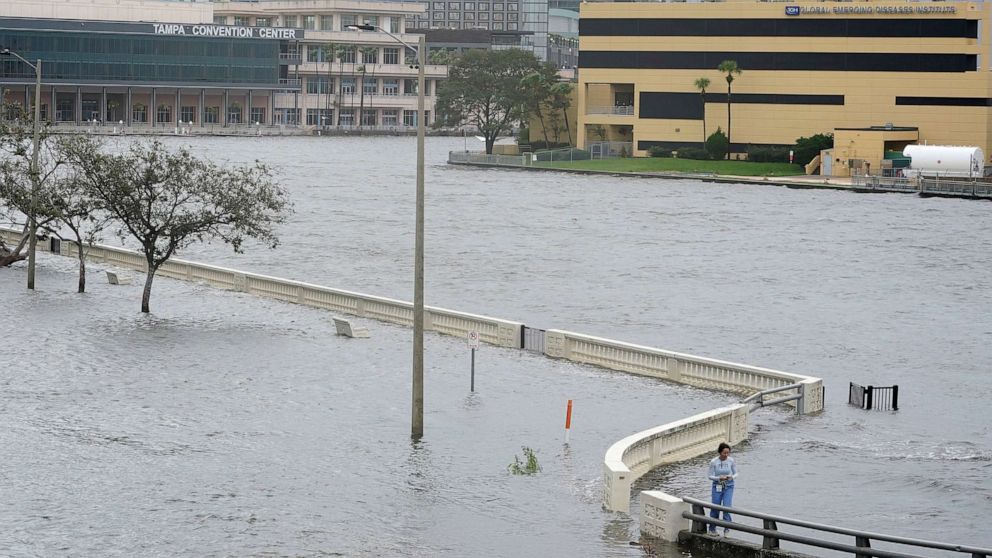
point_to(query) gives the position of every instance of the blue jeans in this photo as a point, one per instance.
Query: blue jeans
(722, 498)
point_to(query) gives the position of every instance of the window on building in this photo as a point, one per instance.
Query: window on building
(347, 20)
(370, 20)
(454, 25)
(286, 116)
(394, 25)
(512, 7)
(424, 25)
(409, 118)
(511, 26)
(139, 113)
(438, 5)
(483, 6)
(318, 85)
(454, 5)
(390, 55)
(163, 114)
(263, 22)
(218, 20)
(497, 27)
(469, 16)
(347, 86)
(211, 115)
(187, 114)
(483, 16)
(241, 21)
(469, 6)
(320, 117)
(234, 113)
(346, 117)
(498, 7)
(390, 117)
(369, 117)
(512, 16)
(348, 55)
(327, 23)
(391, 86)
(370, 86)
(370, 55)
(310, 22)
(257, 115)
(409, 87)
(289, 21)
(482, 25)
(497, 17)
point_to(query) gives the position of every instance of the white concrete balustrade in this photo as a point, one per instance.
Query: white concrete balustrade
(627, 459)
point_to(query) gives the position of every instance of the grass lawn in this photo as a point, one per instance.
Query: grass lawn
(657, 164)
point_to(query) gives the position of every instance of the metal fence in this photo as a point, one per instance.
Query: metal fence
(532, 339)
(871, 397)
(772, 535)
(487, 159)
(610, 149)
(935, 186)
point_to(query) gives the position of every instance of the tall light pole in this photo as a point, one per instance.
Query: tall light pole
(417, 423)
(32, 218)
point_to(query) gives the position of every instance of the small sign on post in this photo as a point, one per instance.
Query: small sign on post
(473, 343)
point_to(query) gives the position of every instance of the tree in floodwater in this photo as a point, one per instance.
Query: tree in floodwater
(168, 200)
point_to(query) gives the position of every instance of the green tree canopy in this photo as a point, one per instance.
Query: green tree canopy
(484, 89)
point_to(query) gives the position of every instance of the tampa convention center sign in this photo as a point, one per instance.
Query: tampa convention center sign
(869, 10)
(227, 31)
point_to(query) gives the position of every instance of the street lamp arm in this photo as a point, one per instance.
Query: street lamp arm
(8, 52)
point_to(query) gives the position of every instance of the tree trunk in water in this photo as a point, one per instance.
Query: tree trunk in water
(146, 296)
(490, 142)
(728, 120)
(82, 269)
(361, 101)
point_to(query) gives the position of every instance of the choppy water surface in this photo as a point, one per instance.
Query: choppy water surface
(226, 425)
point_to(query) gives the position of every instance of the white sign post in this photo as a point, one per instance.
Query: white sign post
(473, 342)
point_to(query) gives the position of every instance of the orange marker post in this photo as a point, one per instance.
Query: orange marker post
(568, 420)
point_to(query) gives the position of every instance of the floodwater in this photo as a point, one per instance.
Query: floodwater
(226, 425)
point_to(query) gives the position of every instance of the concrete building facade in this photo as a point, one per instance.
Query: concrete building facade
(808, 68)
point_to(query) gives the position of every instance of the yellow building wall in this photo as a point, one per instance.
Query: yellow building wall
(869, 97)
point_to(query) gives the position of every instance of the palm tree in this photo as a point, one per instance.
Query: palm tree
(701, 84)
(561, 99)
(369, 55)
(540, 88)
(731, 69)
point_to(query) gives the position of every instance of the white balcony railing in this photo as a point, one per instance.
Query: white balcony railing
(616, 110)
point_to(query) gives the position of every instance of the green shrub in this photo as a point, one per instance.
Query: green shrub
(716, 144)
(659, 151)
(689, 152)
(807, 148)
(528, 467)
(768, 154)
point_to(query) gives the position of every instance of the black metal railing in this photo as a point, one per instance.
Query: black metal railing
(873, 397)
(771, 535)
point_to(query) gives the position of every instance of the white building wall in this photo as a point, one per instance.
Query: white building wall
(169, 11)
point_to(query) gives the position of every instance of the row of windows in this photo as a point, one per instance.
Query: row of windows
(320, 85)
(793, 27)
(496, 26)
(96, 71)
(809, 61)
(44, 45)
(346, 117)
(689, 106)
(472, 6)
(469, 16)
(315, 22)
(349, 55)
(65, 112)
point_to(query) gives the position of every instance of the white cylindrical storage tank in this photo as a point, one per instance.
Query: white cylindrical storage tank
(946, 160)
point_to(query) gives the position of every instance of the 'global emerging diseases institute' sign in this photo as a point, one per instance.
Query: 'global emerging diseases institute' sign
(868, 10)
(226, 31)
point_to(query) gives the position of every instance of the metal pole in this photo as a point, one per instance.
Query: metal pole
(472, 387)
(35, 175)
(417, 430)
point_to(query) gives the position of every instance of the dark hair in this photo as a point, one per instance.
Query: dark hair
(723, 446)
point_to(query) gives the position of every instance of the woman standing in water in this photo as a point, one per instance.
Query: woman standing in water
(723, 471)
